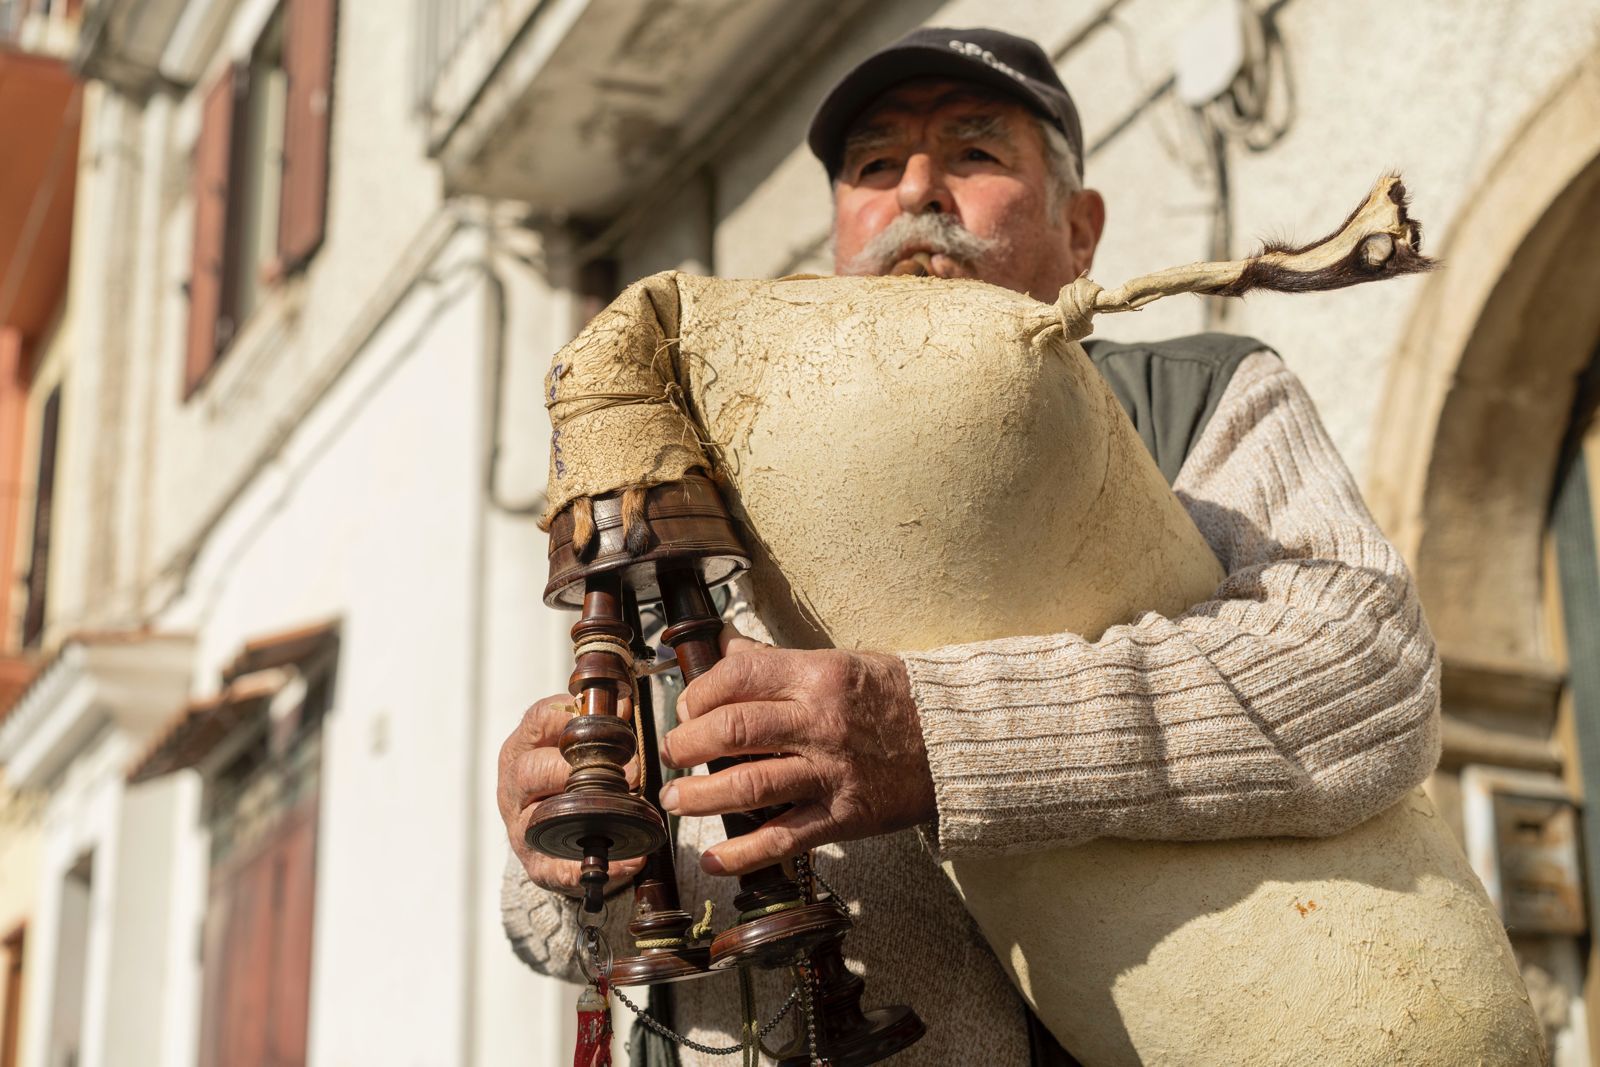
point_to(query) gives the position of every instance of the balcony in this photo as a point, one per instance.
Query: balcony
(138, 46)
(42, 27)
(39, 107)
(574, 105)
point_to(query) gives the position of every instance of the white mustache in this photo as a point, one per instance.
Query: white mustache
(939, 234)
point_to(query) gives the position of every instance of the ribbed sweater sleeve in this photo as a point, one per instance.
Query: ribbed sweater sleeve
(1300, 699)
(543, 926)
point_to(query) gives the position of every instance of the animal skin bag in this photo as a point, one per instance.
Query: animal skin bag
(917, 438)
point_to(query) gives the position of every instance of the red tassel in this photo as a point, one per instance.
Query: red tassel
(594, 1027)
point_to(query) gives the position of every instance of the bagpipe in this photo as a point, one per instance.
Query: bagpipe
(905, 463)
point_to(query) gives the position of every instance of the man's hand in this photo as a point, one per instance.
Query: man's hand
(850, 756)
(531, 768)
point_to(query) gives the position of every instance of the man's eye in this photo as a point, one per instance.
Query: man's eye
(978, 155)
(873, 166)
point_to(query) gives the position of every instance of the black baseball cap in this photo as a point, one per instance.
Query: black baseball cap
(1003, 61)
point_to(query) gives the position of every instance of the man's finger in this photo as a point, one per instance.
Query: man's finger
(743, 787)
(531, 777)
(758, 673)
(788, 835)
(542, 723)
(756, 728)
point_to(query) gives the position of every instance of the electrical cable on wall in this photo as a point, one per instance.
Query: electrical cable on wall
(1233, 74)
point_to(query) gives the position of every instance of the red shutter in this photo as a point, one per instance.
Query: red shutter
(258, 946)
(207, 289)
(292, 928)
(308, 62)
(213, 943)
(33, 616)
(11, 1007)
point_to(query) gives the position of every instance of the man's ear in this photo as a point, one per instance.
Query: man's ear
(1086, 220)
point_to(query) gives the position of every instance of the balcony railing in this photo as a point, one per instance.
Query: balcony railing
(442, 26)
(48, 27)
(574, 106)
(11, 12)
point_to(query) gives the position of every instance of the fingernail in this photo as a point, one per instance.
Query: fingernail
(709, 862)
(669, 797)
(666, 750)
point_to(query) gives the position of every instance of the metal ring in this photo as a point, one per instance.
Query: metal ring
(601, 917)
(591, 940)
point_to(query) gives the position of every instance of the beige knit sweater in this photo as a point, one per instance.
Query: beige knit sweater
(1301, 699)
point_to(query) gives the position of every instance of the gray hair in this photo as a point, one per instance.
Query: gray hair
(1063, 166)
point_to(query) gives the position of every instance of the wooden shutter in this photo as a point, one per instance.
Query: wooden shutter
(293, 910)
(210, 325)
(11, 1006)
(43, 506)
(258, 946)
(308, 64)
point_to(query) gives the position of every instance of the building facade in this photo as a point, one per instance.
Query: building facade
(270, 384)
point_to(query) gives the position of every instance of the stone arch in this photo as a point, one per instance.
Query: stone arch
(1480, 391)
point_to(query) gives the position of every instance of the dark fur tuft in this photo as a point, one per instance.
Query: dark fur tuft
(583, 539)
(1369, 261)
(635, 527)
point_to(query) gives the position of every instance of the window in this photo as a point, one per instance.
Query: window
(73, 921)
(260, 177)
(261, 808)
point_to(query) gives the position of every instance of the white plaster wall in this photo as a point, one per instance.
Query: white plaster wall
(520, 1017)
(383, 193)
(373, 514)
(156, 824)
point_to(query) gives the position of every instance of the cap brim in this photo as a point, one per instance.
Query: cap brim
(878, 73)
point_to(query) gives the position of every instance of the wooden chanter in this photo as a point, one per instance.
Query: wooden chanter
(674, 544)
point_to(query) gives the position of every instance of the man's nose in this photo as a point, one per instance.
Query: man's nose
(922, 187)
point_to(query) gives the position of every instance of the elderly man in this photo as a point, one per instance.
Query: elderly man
(958, 153)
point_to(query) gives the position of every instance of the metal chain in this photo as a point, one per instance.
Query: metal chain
(709, 1050)
(801, 993)
(803, 987)
(832, 892)
(806, 869)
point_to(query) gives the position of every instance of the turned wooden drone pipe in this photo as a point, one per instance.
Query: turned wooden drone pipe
(660, 927)
(693, 635)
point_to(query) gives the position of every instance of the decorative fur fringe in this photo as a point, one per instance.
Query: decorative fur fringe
(1378, 240)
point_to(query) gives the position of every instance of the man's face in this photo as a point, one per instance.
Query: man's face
(947, 178)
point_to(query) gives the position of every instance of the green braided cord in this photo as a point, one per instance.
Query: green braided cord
(660, 942)
(770, 909)
(702, 929)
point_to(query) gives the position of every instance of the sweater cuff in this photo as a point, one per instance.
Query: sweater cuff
(541, 926)
(960, 827)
